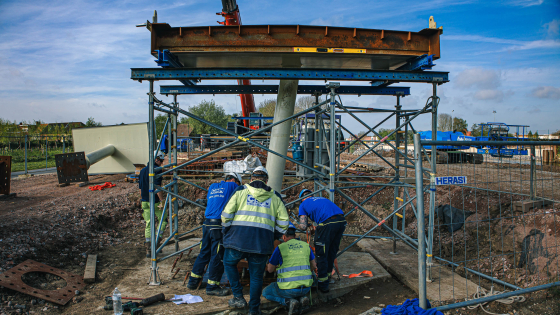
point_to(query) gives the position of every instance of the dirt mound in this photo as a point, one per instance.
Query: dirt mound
(60, 226)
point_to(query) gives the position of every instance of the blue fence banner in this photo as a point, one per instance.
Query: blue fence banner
(451, 180)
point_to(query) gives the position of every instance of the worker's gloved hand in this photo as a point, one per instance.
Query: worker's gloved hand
(311, 229)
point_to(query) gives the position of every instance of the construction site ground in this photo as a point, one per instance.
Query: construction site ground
(60, 226)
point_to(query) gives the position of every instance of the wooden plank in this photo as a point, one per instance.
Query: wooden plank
(91, 265)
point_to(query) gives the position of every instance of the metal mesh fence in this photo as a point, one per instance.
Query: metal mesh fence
(30, 152)
(495, 226)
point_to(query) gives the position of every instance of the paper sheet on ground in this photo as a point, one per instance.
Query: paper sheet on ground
(187, 298)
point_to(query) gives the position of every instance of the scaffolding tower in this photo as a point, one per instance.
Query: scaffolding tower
(293, 52)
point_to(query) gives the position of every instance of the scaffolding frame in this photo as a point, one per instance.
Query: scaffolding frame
(326, 178)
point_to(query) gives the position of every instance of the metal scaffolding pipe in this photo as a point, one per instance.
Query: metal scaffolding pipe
(99, 155)
(420, 222)
(280, 135)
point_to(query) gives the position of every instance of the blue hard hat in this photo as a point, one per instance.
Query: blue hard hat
(303, 191)
(291, 225)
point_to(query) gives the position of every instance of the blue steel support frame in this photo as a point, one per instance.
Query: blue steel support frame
(294, 74)
(423, 62)
(167, 60)
(273, 89)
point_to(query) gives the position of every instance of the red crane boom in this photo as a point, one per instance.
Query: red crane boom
(230, 12)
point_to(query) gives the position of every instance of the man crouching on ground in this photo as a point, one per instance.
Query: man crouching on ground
(294, 260)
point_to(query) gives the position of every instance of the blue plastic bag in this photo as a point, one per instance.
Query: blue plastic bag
(410, 307)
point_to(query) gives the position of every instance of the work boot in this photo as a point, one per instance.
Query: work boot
(323, 286)
(193, 283)
(237, 302)
(304, 304)
(293, 306)
(148, 246)
(219, 291)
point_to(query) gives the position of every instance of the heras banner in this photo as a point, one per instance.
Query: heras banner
(451, 180)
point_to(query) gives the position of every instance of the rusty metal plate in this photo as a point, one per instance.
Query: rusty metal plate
(5, 174)
(11, 279)
(71, 167)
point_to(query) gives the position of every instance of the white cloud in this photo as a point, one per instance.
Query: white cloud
(513, 44)
(495, 95)
(546, 92)
(553, 28)
(479, 78)
(526, 3)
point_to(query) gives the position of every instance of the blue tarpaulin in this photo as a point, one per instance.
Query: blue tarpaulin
(409, 307)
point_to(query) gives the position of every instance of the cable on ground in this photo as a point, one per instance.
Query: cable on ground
(481, 293)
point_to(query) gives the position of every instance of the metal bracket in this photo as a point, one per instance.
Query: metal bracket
(168, 60)
(423, 62)
(155, 281)
(333, 85)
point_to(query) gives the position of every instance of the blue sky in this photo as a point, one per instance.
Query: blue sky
(69, 60)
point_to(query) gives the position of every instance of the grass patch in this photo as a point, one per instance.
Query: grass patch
(36, 158)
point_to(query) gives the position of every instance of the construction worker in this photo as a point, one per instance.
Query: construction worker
(253, 218)
(294, 261)
(330, 227)
(211, 248)
(144, 185)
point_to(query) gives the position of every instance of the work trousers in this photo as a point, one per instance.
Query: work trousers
(257, 264)
(327, 241)
(211, 254)
(273, 293)
(146, 216)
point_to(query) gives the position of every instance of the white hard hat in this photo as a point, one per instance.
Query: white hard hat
(260, 168)
(236, 175)
(159, 154)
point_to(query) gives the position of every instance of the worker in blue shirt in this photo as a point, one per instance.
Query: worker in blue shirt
(211, 247)
(330, 227)
(294, 262)
(144, 185)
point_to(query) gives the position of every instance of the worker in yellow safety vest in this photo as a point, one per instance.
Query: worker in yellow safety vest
(294, 262)
(252, 219)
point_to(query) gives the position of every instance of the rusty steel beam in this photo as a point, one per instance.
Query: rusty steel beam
(283, 38)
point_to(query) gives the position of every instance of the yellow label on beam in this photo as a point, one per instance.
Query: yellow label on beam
(330, 50)
(399, 199)
(398, 215)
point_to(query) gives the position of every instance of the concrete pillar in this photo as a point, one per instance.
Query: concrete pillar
(280, 135)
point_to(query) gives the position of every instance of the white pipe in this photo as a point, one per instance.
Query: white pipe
(280, 134)
(98, 155)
